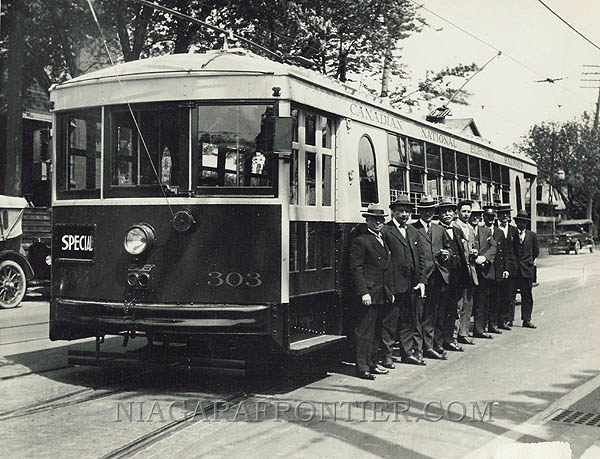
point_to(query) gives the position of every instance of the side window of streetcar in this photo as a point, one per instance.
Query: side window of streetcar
(367, 172)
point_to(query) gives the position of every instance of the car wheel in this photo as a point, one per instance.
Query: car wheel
(13, 284)
(577, 247)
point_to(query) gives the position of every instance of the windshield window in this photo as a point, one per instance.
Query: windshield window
(234, 146)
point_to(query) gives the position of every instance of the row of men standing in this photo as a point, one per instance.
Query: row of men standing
(418, 284)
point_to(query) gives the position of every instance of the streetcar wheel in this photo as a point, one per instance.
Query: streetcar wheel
(13, 284)
(577, 247)
(592, 248)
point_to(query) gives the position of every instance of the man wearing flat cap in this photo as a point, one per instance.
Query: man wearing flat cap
(527, 250)
(407, 263)
(373, 283)
(434, 242)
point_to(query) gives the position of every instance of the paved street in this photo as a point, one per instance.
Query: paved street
(475, 404)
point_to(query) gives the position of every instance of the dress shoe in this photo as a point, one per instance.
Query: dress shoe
(440, 350)
(365, 375)
(482, 335)
(504, 326)
(388, 363)
(453, 347)
(509, 323)
(465, 340)
(494, 330)
(413, 360)
(431, 354)
(528, 324)
(378, 370)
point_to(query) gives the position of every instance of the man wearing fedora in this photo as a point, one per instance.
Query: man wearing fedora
(457, 279)
(407, 264)
(505, 267)
(527, 250)
(373, 283)
(467, 223)
(434, 243)
(486, 273)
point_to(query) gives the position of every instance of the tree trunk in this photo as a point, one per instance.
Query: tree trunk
(589, 206)
(13, 160)
(385, 74)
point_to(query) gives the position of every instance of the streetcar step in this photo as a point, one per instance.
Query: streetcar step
(305, 346)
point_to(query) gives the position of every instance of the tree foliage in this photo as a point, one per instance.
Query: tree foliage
(574, 147)
(336, 37)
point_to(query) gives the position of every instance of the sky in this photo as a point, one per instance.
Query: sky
(536, 45)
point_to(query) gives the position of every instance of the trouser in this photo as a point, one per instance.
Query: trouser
(481, 305)
(465, 309)
(385, 333)
(435, 291)
(500, 302)
(509, 315)
(368, 336)
(447, 316)
(407, 326)
(525, 284)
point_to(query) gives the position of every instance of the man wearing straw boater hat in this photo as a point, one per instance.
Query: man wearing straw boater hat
(457, 279)
(434, 242)
(407, 264)
(527, 251)
(372, 279)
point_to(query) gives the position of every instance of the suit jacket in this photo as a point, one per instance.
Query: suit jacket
(468, 243)
(486, 246)
(505, 256)
(457, 263)
(527, 252)
(407, 256)
(371, 268)
(431, 249)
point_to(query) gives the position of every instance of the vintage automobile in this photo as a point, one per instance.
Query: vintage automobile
(17, 270)
(574, 235)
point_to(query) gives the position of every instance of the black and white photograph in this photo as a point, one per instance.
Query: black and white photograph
(299, 228)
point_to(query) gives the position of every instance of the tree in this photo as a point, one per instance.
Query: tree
(574, 147)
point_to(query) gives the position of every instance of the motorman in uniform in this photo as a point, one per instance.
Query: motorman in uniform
(527, 250)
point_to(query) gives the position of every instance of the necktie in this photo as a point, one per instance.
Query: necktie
(429, 231)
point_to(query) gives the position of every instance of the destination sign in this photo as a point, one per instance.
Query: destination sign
(73, 242)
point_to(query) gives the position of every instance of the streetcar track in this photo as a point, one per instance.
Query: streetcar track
(28, 373)
(24, 341)
(24, 325)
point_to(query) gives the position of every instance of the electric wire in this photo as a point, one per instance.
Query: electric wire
(570, 26)
(135, 121)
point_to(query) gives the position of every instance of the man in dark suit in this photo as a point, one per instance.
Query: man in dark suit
(486, 274)
(372, 278)
(527, 251)
(458, 277)
(467, 224)
(504, 266)
(434, 242)
(407, 265)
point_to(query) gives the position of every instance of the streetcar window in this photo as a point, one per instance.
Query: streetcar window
(474, 170)
(326, 180)
(485, 193)
(79, 153)
(294, 177)
(448, 187)
(433, 185)
(397, 181)
(505, 176)
(448, 162)
(417, 180)
(310, 128)
(325, 132)
(433, 157)
(294, 116)
(312, 229)
(367, 172)
(462, 165)
(311, 178)
(462, 189)
(417, 157)
(234, 146)
(496, 176)
(475, 190)
(147, 151)
(396, 149)
(486, 174)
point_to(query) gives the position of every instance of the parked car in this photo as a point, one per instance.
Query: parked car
(574, 235)
(16, 269)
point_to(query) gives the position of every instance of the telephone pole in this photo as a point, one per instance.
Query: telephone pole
(590, 199)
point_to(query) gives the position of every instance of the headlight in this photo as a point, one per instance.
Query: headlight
(139, 238)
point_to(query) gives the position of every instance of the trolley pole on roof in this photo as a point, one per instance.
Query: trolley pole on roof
(11, 154)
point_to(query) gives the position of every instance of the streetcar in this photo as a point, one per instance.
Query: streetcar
(208, 199)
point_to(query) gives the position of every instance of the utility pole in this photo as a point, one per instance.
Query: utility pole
(590, 199)
(11, 157)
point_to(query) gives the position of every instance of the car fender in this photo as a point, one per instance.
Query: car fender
(17, 257)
